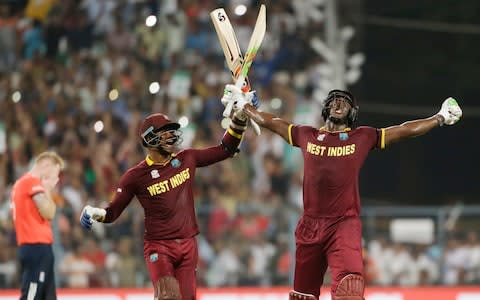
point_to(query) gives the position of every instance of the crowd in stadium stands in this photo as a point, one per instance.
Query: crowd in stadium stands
(75, 78)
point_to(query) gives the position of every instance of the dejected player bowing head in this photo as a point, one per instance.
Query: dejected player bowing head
(159, 132)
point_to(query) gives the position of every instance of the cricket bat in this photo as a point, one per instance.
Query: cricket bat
(239, 65)
(229, 43)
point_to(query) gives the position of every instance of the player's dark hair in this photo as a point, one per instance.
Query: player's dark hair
(332, 95)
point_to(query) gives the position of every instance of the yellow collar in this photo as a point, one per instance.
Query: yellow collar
(151, 162)
(323, 128)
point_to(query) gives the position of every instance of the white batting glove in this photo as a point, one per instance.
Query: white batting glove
(450, 111)
(239, 102)
(235, 99)
(91, 214)
(235, 94)
(229, 93)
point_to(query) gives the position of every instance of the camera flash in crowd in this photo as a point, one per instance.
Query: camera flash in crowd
(150, 21)
(16, 96)
(276, 103)
(183, 121)
(154, 87)
(240, 10)
(113, 95)
(98, 126)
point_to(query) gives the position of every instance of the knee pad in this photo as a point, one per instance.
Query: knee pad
(167, 288)
(294, 295)
(351, 287)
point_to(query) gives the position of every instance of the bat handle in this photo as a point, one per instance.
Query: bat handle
(240, 81)
(228, 109)
(255, 127)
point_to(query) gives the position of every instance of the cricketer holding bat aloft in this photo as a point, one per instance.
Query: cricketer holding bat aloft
(163, 184)
(329, 232)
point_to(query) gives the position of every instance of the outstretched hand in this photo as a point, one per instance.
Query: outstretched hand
(450, 111)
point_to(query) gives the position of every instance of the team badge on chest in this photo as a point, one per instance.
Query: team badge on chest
(343, 136)
(175, 163)
(153, 257)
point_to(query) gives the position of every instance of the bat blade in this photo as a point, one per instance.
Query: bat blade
(239, 65)
(254, 44)
(229, 43)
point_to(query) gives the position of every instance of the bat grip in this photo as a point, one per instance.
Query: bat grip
(228, 109)
(240, 80)
(255, 127)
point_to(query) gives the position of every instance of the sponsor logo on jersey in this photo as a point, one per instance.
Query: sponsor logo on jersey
(321, 137)
(154, 174)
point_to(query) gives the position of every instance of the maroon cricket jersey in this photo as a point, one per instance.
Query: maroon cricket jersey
(332, 162)
(165, 193)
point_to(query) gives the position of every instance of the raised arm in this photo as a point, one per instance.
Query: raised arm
(268, 120)
(246, 104)
(449, 114)
(228, 145)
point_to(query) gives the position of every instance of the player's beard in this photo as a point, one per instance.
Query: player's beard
(168, 143)
(166, 150)
(338, 121)
(167, 147)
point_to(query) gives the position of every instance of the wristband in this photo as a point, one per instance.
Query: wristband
(440, 120)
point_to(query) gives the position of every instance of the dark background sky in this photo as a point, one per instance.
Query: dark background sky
(411, 68)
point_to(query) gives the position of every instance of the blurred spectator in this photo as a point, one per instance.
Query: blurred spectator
(123, 265)
(38, 9)
(75, 268)
(473, 245)
(119, 39)
(174, 24)
(281, 262)
(381, 253)
(426, 269)
(100, 14)
(226, 269)
(456, 262)
(97, 256)
(401, 267)
(33, 41)
(261, 254)
(371, 271)
(8, 43)
(8, 264)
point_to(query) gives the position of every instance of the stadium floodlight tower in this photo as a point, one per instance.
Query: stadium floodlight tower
(340, 69)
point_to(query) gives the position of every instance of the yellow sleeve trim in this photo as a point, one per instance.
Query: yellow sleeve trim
(234, 134)
(290, 140)
(382, 138)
